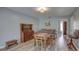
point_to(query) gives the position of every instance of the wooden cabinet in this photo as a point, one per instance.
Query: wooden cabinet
(26, 32)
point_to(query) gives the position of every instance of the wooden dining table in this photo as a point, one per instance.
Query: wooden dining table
(44, 39)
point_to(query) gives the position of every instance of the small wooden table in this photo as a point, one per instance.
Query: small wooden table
(10, 43)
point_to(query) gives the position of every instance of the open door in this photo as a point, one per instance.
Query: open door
(65, 27)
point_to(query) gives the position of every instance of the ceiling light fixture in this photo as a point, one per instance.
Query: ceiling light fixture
(42, 9)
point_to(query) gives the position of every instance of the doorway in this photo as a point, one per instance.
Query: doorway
(63, 27)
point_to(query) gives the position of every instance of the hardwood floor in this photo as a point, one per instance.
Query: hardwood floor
(60, 45)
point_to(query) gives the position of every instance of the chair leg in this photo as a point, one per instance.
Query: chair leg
(51, 42)
(34, 42)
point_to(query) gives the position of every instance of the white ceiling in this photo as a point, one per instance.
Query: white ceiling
(53, 11)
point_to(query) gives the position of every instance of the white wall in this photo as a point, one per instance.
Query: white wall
(52, 21)
(75, 21)
(55, 23)
(10, 24)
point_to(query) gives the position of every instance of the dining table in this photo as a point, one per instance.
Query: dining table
(43, 38)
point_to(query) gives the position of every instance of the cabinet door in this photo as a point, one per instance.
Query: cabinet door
(26, 29)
